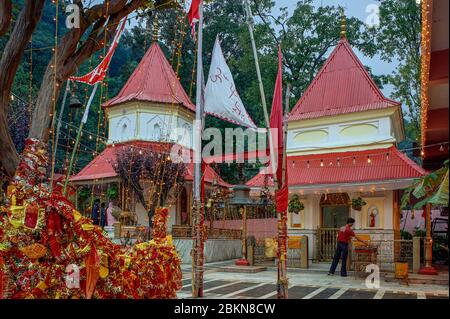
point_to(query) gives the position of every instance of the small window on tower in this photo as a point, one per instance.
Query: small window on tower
(124, 130)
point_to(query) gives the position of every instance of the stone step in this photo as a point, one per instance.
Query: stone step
(440, 279)
(242, 269)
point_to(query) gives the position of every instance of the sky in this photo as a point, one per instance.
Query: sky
(353, 8)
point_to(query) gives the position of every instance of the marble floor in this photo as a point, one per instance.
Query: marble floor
(314, 284)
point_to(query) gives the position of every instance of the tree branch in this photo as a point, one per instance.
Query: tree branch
(5, 16)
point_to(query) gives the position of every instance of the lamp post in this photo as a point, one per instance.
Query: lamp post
(242, 200)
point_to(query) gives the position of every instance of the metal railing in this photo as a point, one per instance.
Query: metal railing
(390, 252)
(326, 243)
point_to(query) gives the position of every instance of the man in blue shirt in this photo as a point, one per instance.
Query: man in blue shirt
(96, 212)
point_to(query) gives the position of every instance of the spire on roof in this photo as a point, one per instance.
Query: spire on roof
(155, 28)
(343, 25)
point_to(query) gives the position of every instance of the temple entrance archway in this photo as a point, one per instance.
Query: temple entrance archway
(335, 209)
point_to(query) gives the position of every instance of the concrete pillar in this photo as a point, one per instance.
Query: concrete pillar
(416, 255)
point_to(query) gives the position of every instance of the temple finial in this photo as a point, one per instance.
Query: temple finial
(343, 25)
(155, 28)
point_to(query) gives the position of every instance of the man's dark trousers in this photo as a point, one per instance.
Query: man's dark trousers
(341, 252)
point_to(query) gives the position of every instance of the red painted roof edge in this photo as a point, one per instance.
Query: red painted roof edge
(254, 182)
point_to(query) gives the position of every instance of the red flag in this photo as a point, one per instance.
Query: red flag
(282, 199)
(98, 74)
(276, 121)
(194, 15)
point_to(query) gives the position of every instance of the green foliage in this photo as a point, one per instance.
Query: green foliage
(420, 233)
(399, 37)
(358, 203)
(112, 192)
(306, 36)
(295, 205)
(430, 189)
(405, 235)
(84, 193)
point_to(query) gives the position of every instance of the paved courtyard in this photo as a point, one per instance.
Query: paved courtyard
(303, 284)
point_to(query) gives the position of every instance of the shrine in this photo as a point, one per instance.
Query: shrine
(342, 156)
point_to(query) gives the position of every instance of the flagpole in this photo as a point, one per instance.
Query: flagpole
(260, 83)
(77, 141)
(282, 216)
(198, 231)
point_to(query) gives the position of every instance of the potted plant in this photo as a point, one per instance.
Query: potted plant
(295, 205)
(358, 203)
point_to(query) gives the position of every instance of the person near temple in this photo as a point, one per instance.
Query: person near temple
(96, 212)
(345, 234)
(110, 220)
(103, 215)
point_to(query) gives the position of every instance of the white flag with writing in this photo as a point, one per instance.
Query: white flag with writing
(221, 97)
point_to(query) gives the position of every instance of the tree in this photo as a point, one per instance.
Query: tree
(429, 189)
(307, 36)
(150, 170)
(98, 23)
(399, 37)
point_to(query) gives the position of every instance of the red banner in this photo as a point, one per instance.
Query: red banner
(194, 15)
(99, 73)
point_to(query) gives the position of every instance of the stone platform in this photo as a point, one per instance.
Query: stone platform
(242, 269)
(440, 279)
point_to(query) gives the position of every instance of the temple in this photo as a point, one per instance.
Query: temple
(152, 111)
(343, 159)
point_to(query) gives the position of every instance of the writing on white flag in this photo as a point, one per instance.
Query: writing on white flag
(221, 97)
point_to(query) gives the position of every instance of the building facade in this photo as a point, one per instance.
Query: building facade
(152, 111)
(342, 145)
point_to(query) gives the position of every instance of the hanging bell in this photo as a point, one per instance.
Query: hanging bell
(75, 102)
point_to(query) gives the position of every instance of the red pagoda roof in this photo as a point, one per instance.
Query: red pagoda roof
(348, 167)
(101, 167)
(342, 86)
(153, 81)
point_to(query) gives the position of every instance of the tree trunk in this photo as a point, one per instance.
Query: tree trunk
(69, 58)
(9, 63)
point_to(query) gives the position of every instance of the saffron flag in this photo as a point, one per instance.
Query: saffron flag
(221, 97)
(194, 15)
(98, 74)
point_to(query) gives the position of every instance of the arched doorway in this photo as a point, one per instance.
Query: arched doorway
(335, 209)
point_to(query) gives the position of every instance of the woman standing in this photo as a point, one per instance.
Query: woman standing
(110, 220)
